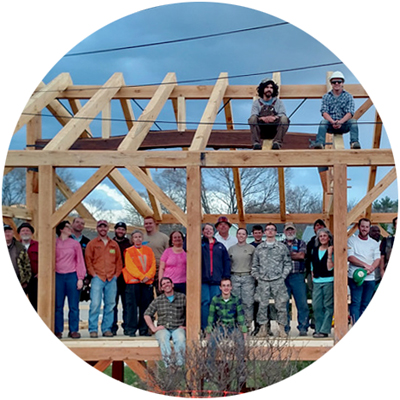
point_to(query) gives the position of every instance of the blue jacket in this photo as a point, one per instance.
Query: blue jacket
(221, 262)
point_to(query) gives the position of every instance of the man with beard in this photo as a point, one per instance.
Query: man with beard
(25, 231)
(363, 255)
(222, 226)
(268, 118)
(123, 243)
(295, 281)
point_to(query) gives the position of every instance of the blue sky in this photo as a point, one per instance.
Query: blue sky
(253, 52)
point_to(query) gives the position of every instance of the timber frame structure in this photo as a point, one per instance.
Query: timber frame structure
(74, 147)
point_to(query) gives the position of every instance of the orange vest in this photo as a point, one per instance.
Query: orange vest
(139, 263)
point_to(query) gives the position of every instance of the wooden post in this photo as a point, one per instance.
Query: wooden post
(117, 371)
(340, 251)
(193, 194)
(46, 277)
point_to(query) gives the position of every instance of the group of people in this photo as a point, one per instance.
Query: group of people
(268, 118)
(147, 272)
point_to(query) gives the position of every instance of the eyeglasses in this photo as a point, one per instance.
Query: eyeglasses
(336, 82)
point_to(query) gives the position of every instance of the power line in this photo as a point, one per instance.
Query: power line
(84, 53)
(186, 122)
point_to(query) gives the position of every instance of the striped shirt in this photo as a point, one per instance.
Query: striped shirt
(228, 313)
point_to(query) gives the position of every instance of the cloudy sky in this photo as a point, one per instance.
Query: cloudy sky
(263, 44)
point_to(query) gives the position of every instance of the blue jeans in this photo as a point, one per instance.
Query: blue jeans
(207, 293)
(178, 338)
(102, 290)
(296, 286)
(66, 287)
(349, 126)
(360, 298)
(322, 301)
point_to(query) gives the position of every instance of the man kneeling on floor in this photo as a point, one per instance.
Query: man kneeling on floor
(170, 307)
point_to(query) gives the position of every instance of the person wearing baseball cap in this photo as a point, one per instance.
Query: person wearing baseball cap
(123, 243)
(222, 226)
(104, 264)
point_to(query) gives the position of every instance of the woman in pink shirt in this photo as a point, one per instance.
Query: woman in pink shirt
(70, 271)
(173, 262)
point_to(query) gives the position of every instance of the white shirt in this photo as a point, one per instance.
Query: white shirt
(365, 250)
(228, 242)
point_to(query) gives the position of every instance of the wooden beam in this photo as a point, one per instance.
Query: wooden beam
(42, 98)
(106, 121)
(70, 132)
(67, 193)
(80, 194)
(181, 113)
(155, 203)
(340, 251)
(363, 109)
(380, 187)
(193, 194)
(46, 238)
(130, 193)
(17, 212)
(376, 142)
(75, 105)
(142, 177)
(203, 132)
(102, 365)
(207, 159)
(282, 194)
(239, 197)
(198, 92)
(141, 127)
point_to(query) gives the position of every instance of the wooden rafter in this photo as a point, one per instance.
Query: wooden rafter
(141, 127)
(70, 132)
(204, 130)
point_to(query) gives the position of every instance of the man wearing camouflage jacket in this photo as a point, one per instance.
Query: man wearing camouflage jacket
(271, 265)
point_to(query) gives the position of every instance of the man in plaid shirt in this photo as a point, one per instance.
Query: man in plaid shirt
(226, 310)
(170, 307)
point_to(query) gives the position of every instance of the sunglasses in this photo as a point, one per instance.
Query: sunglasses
(336, 82)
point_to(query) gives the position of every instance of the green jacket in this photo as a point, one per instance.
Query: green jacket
(20, 260)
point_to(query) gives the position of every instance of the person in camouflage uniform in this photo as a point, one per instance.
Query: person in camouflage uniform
(271, 266)
(241, 255)
(19, 258)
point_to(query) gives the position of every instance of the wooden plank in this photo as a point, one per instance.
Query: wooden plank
(80, 194)
(194, 209)
(67, 193)
(376, 142)
(203, 132)
(128, 112)
(340, 251)
(181, 113)
(102, 365)
(17, 212)
(207, 159)
(338, 142)
(42, 98)
(46, 238)
(363, 109)
(76, 105)
(155, 203)
(267, 144)
(106, 121)
(239, 196)
(282, 195)
(197, 92)
(141, 127)
(70, 132)
(372, 194)
(158, 194)
(130, 193)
